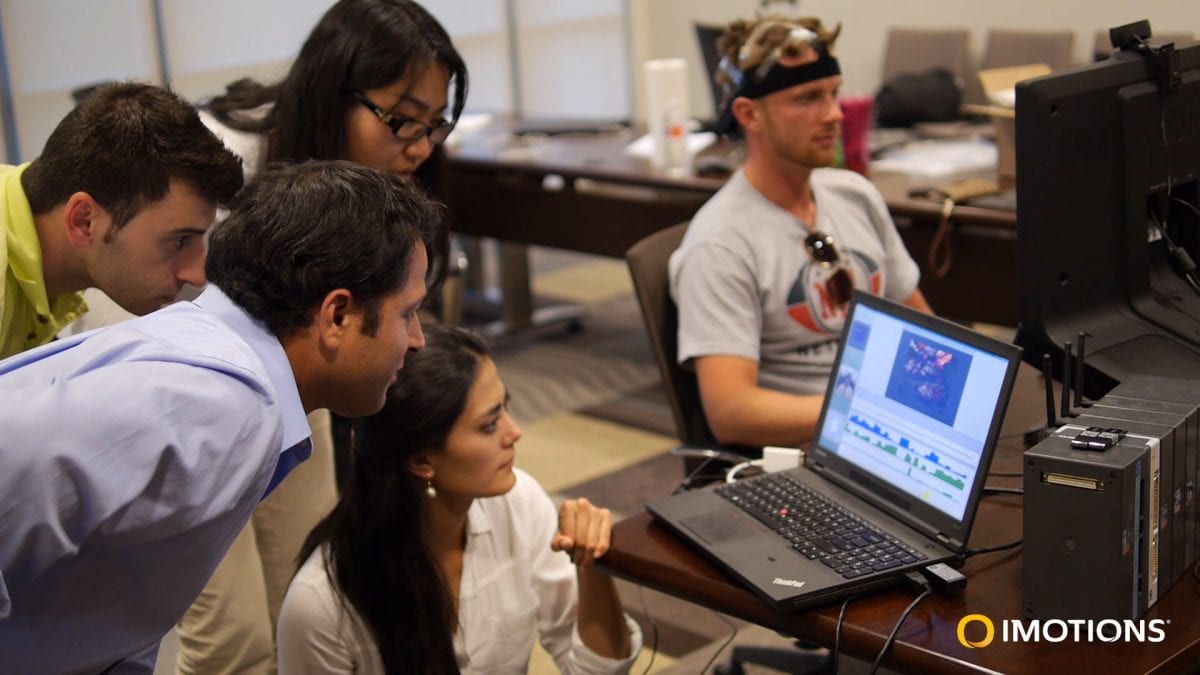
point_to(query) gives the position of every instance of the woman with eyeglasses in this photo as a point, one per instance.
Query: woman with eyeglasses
(370, 85)
(443, 557)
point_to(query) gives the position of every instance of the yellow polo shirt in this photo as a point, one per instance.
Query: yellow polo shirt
(28, 317)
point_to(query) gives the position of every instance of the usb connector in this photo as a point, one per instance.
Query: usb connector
(945, 579)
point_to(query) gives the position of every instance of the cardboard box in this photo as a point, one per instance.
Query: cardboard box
(998, 84)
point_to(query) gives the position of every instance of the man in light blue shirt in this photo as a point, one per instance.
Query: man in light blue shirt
(130, 457)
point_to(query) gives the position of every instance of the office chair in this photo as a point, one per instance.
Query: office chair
(647, 260)
(917, 50)
(1019, 48)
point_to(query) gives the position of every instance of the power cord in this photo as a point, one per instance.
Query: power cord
(723, 644)
(686, 483)
(1187, 204)
(992, 549)
(1183, 261)
(916, 579)
(837, 634)
(994, 490)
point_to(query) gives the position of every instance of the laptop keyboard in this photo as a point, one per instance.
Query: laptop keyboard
(818, 528)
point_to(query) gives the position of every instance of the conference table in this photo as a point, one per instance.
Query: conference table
(646, 553)
(572, 185)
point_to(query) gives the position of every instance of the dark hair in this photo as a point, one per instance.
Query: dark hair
(297, 232)
(377, 557)
(357, 45)
(122, 145)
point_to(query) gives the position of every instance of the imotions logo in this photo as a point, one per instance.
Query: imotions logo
(976, 631)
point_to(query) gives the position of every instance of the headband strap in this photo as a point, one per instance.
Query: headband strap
(778, 77)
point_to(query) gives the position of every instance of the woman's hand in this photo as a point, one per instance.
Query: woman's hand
(584, 531)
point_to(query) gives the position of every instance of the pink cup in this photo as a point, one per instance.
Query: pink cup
(856, 126)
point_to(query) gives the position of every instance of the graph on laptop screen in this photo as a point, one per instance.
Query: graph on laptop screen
(913, 407)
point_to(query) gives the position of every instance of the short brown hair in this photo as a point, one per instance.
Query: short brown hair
(122, 145)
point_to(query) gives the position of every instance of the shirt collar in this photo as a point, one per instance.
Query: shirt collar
(477, 518)
(266, 346)
(24, 252)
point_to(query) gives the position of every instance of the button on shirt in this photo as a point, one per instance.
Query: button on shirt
(130, 458)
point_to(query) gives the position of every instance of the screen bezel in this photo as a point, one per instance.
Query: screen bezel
(952, 532)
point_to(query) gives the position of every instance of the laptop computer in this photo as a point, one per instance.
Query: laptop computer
(905, 438)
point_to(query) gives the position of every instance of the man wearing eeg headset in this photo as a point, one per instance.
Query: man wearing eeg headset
(765, 271)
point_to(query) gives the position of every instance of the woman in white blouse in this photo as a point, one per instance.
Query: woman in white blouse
(440, 555)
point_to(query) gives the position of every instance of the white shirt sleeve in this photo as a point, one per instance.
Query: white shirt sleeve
(312, 632)
(552, 576)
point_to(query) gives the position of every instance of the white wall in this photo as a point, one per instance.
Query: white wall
(214, 42)
(663, 28)
(572, 58)
(54, 47)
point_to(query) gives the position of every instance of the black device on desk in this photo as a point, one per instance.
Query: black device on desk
(1108, 164)
(1110, 497)
(906, 434)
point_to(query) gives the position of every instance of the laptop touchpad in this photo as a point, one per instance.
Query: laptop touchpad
(722, 525)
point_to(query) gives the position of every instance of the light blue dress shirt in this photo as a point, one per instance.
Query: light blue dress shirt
(130, 458)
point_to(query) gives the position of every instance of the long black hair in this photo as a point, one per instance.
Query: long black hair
(357, 45)
(376, 555)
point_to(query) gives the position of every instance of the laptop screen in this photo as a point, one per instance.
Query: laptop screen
(916, 402)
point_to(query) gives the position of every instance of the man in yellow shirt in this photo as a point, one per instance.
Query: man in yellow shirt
(120, 199)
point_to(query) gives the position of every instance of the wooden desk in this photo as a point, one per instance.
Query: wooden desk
(582, 192)
(645, 553)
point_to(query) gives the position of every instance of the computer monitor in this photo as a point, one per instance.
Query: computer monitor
(706, 37)
(1103, 151)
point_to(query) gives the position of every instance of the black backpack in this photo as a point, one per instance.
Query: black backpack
(908, 98)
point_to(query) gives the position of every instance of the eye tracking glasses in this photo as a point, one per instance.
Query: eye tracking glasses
(406, 128)
(838, 284)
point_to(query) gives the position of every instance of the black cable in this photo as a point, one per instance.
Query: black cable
(653, 629)
(686, 483)
(1187, 204)
(993, 490)
(992, 549)
(837, 633)
(1182, 259)
(887, 644)
(724, 644)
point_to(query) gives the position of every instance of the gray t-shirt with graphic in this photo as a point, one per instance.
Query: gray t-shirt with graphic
(746, 285)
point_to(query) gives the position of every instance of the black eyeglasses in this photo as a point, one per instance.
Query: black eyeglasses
(406, 128)
(838, 283)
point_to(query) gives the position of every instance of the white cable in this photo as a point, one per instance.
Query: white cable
(732, 475)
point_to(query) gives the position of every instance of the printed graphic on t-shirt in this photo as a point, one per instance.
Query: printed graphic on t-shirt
(809, 301)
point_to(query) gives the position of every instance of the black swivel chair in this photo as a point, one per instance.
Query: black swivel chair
(647, 261)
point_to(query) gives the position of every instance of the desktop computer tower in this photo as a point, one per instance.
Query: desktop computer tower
(1087, 517)
(1180, 397)
(1080, 502)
